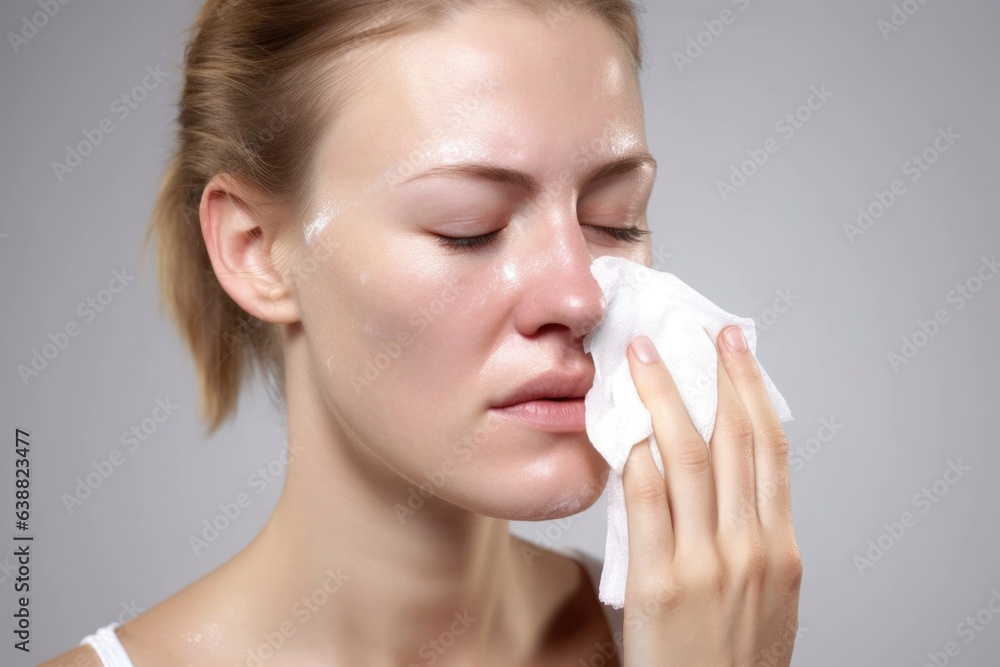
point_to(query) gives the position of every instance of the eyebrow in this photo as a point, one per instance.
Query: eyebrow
(529, 183)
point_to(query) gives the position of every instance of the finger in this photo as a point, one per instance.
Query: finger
(770, 447)
(650, 531)
(686, 465)
(733, 458)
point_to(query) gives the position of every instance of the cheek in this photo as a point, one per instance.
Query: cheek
(398, 333)
(406, 351)
(402, 352)
(416, 332)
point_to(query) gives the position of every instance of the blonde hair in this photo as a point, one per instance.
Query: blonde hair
(249, 108)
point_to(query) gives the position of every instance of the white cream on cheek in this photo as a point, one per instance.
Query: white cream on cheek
(328, 211)
(332, 206)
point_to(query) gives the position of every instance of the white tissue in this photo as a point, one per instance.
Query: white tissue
(676, 318)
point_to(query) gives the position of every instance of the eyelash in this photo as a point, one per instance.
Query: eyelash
(485, 240)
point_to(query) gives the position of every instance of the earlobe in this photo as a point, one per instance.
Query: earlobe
(241, 251)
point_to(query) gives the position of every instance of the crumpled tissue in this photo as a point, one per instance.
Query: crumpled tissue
(684, 326)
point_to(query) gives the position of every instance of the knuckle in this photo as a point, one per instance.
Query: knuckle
(746, 373)
(664, 591)
(649, 490)
(790, 564)
(693, 454)
(707, 573)
(738, 428)
(774, 439)
(748, 559)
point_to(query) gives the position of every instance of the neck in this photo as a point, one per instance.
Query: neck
(355, 563)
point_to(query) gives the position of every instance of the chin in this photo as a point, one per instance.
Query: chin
(550, 487)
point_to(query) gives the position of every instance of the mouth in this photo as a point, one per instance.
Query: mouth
(549, 387)
(552, 401)
(554, 415)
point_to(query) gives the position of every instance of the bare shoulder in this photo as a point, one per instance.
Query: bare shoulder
(81, 656)
(151, 636)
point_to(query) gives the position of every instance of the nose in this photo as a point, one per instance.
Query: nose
(560, 292)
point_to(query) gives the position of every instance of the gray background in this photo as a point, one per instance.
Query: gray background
(126, 546)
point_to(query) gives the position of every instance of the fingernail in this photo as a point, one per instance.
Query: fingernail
(645, 350)
(734, 339)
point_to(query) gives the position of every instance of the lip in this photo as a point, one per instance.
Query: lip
(552, 385)
(552, 401)
(550, 415)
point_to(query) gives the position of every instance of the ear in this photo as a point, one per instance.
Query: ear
(243, 253)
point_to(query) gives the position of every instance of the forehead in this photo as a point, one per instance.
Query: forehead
(535, 93)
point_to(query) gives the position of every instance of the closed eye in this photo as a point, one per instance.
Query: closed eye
(629, 235)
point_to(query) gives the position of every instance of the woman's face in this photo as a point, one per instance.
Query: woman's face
(495, 124)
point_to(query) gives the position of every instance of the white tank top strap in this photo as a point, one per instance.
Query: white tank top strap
(109, 648)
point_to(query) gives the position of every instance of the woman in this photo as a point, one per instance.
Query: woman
(391, 209)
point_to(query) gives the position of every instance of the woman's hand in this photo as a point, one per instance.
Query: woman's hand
(714, 570)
